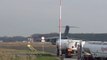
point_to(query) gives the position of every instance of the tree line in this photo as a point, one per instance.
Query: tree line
(37, 37)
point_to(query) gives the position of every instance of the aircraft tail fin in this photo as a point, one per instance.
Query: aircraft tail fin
(66, 30)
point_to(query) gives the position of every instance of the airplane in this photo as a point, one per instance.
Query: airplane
(64, 35)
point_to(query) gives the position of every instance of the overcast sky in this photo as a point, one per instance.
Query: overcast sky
(26, 17)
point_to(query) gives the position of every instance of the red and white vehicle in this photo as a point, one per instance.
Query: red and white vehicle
(68, 47)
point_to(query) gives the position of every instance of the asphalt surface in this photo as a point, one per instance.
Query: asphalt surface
(69, 59)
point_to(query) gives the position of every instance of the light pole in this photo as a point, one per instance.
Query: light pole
(43, 41)
(60, 24)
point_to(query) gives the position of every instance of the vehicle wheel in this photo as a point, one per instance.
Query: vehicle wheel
(67, 56)
(57, 52)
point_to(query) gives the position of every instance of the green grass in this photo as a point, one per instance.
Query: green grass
(12, 54)
(15, 51)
